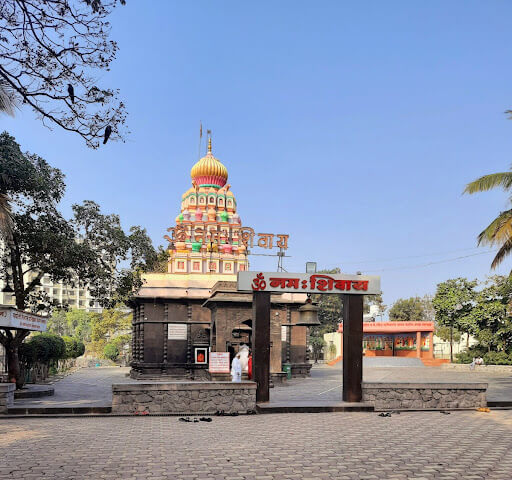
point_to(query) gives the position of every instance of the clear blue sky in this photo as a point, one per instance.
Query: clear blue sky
(352, 126)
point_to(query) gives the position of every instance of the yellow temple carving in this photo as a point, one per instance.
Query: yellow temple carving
(207, 237)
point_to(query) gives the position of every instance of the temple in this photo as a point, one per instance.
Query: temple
(179, 317)
(207, 232)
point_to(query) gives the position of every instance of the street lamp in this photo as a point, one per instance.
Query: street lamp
(456, 309)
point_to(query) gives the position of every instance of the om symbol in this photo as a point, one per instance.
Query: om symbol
(259, 282)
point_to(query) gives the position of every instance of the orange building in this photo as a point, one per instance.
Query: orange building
(396, 339)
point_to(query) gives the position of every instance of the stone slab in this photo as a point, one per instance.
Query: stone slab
(182, 385)
(424, 396)
(184, 397)
(427, 385)
(6, 396)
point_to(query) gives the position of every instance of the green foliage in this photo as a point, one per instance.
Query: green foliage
(407, 310)
(106, 258)
(43, 348)
(490, 321)
(74, 347)
(331, 309)
(74, 323)
(112, 325)
(111, 351)
(498, 232)
(453, 302)
(497, 358)
(317, 344)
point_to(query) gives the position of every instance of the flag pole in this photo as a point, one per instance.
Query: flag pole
(200, 137)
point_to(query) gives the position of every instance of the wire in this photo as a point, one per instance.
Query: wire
(411, 256)
(431, 263)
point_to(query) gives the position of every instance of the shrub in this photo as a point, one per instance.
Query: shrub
(464, 357)
(43, 348)
(497, 358)
(74, 347)
(111, 351)
(472, 352)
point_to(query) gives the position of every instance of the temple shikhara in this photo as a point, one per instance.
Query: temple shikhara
(207, 236)
(181, 316)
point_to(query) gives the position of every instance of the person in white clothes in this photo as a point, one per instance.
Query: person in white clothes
(236, 369)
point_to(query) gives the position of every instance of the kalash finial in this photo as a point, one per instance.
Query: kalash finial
(210, 144)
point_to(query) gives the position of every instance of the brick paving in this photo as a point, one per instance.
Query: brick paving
(415, 445)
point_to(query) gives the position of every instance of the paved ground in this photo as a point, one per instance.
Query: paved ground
(87, 387)
(416, 445)
(92, 386)
(324, 385)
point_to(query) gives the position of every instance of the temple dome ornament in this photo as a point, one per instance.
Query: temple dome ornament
(209, 171)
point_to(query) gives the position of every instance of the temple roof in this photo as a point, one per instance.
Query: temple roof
(209, 171)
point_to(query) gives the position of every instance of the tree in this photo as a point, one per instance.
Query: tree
(499, 231)
(109, 325)
(407, 310)
(111, 351)
(92, 249)
(74, 323)
(51, 53)
(453, 302)
(330, 309)
(490, 319)
(317, 344)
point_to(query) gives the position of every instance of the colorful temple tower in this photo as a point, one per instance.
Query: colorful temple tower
(206, 239)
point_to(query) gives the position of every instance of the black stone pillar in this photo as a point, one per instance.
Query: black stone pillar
(261, 344)
(352, 348)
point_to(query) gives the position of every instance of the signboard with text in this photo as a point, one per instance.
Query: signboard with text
(219, 362)
(308, 283)
(177, 331)
(13, 318)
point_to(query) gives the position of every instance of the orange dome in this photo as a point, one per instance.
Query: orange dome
(209, 171)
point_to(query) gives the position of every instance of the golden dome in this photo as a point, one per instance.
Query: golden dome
(209, 171)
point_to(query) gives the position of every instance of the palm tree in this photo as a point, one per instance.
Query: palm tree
(7, 105)
(499, 231)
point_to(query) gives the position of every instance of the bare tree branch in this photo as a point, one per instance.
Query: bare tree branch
(48, 45)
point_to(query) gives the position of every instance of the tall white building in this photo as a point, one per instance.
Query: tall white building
(74, 297)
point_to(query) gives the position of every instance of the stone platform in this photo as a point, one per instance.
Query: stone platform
(424, 396)
(184, 397)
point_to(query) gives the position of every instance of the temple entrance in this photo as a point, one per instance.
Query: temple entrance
(353, 288)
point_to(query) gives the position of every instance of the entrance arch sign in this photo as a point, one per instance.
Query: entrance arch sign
(352, 287)
(279, 282)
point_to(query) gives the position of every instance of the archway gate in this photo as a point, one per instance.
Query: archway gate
(352, 287)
